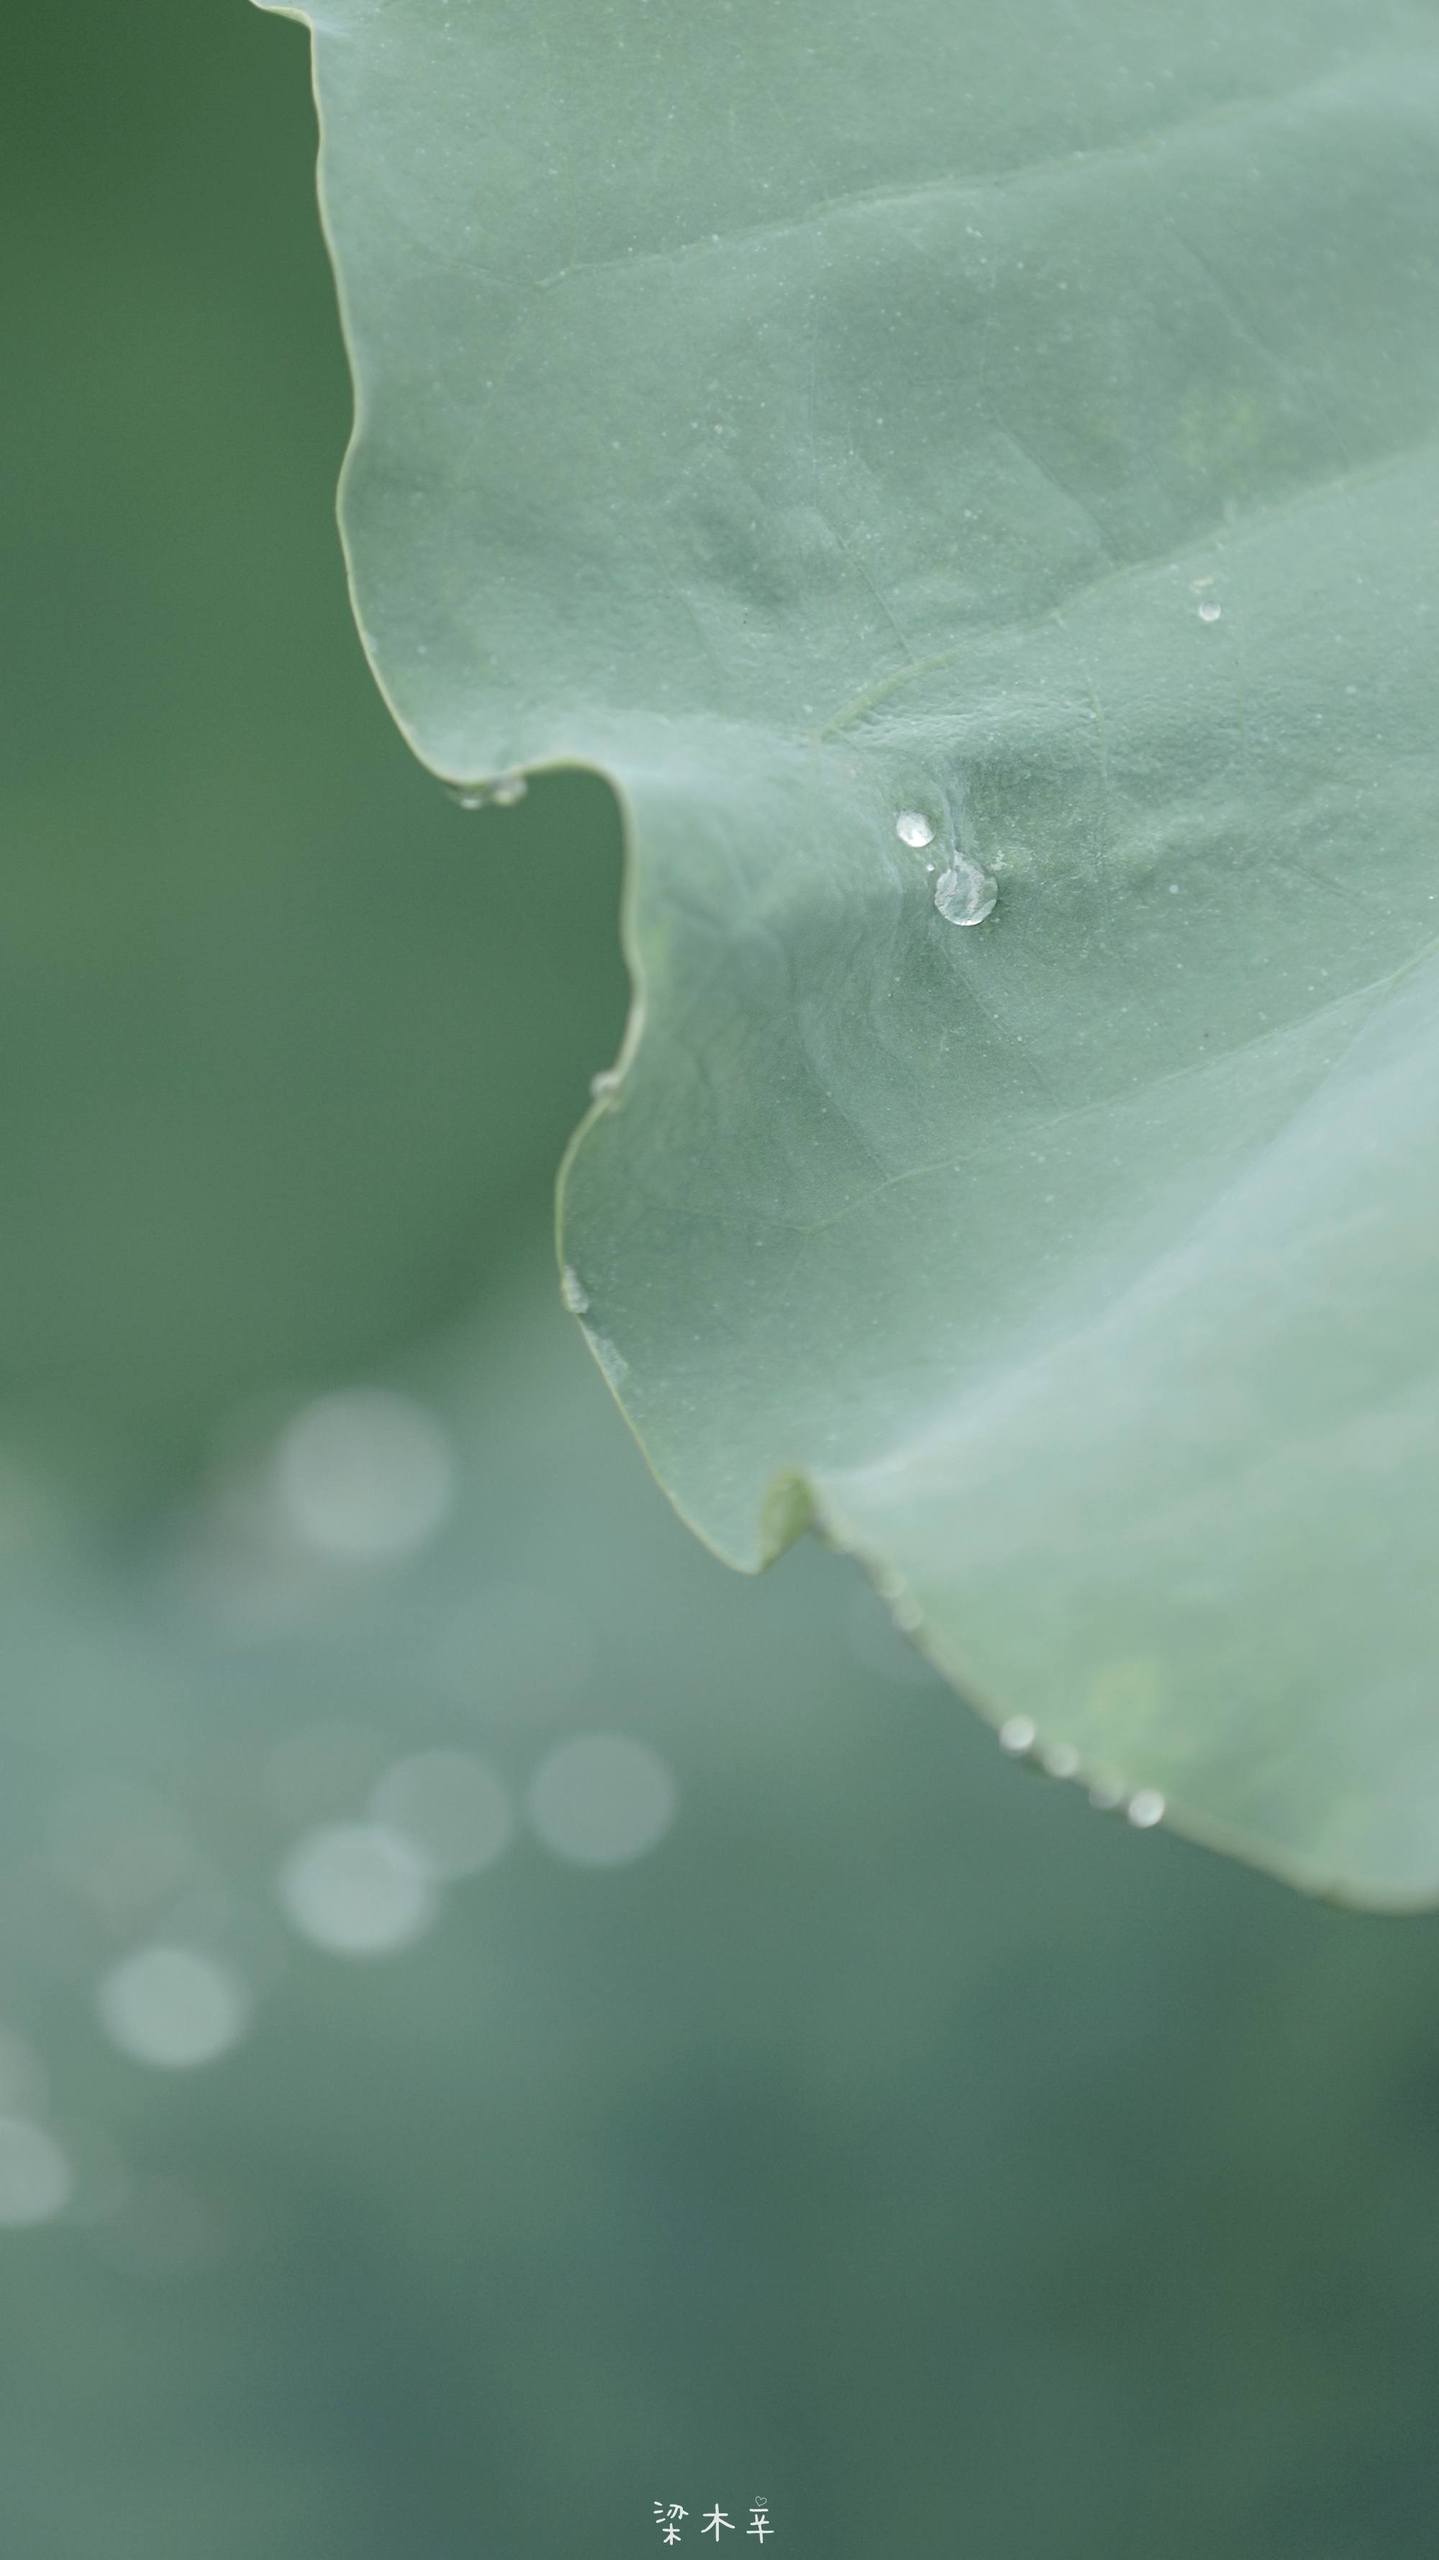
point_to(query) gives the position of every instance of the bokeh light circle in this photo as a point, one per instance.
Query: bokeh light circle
(173, 2007)
(450, 1810)
(364, 1476)
(601, 1799)
(355, 1889)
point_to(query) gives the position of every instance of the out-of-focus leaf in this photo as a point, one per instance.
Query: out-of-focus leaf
(892, 2112)
(253, 967)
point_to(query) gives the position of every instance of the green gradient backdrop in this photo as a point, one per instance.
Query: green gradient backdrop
(898, 2140)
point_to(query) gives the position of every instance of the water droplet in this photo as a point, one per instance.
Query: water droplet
(502, 793)
(965, 894)
(1209, 611)
(1017, 1735)
(1105, 1796)
(877, 1642)
(608, 1080)
(573, 1291)
(1146, 1808)
(1060, 1759)
(913, 828)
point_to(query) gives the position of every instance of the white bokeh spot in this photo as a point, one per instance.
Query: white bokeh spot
(356, 1889)
(173, 2007)
(449, 1809)
(601, 1799)
(364, 1476)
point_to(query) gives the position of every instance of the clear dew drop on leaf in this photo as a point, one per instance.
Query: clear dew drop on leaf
(913, 828)
(965, 893)
(503, 793)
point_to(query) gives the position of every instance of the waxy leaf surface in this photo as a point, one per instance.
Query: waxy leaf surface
(808, 412)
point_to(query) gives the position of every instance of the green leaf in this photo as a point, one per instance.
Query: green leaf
(1022, 417)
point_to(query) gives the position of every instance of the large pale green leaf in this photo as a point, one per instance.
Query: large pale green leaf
(810, 411)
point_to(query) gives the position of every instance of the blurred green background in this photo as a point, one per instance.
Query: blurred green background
(410, 2157)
